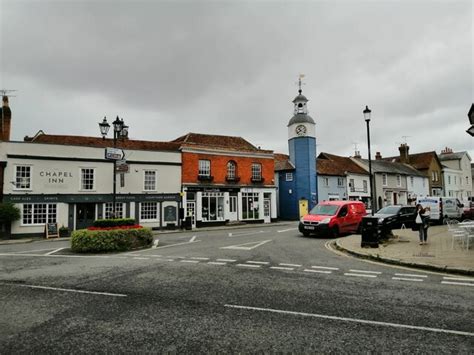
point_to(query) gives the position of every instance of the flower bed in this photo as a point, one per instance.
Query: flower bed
(135, 226)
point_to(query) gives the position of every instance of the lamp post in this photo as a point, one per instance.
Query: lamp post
(120, 131)
(367, 120)
(470, 115)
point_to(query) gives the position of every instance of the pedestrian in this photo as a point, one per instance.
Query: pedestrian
(419, 222)
(426, 223)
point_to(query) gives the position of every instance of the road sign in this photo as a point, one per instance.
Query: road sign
(121, 166)
(114, 153)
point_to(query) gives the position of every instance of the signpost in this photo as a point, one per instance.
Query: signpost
(114, 154)
(121, 166)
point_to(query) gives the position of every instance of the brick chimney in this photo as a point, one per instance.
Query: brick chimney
(378, 156)
(404, 156)
(5, 120)
(357, 155)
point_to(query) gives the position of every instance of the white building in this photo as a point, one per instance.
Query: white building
(457, 173)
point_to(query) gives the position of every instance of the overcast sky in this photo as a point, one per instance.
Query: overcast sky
(231, 67)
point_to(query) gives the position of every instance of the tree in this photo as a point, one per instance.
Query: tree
(8, 213)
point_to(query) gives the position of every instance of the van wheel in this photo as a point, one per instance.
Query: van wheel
(335, 232)
(445, 220)
(306, 234)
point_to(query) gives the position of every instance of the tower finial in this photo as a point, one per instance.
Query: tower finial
(301, 76)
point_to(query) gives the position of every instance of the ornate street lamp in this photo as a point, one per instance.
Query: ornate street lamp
(120, 131)
(470, 115)
(367, 113)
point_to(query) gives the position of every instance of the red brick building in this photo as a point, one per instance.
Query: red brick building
(226, 179)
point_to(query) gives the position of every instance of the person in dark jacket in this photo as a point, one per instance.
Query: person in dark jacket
(419, 222)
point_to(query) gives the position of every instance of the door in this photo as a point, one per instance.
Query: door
(266, 210)
(303, 208)
(232, 208)
(191, 212)
(85, 215)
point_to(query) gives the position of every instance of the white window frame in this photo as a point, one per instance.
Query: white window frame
(289, 176)
(142, 212)
(204, 167)
(384, 180)
(399, 180)
(16, 178)
(364, 182)
(326, 181)
(50, 214)
(256, 171)
(81, 180)
(412, 181)
(340, 182)
(352, 187)
(231, 169)
(145, 181)
(119, 210)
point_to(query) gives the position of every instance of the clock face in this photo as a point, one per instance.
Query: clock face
(300, 130)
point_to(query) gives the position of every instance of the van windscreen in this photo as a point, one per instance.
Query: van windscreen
(324, 210)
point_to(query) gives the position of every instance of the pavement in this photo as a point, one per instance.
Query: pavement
(404, 249)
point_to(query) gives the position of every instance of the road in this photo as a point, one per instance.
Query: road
(259, 289)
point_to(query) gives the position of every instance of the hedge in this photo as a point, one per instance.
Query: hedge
(115, 222)
(86, 241)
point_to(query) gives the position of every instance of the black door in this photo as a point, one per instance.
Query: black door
(85, 215)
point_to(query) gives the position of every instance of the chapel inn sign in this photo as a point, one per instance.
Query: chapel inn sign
(55, 177)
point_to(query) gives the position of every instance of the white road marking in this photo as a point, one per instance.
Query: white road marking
(325, 267)
(198, 258)
(192, 239)
(190, 261)
(456, 283)
(281, 268)
(227, 260)
(243, 234)
(287, 230)
(29, 251)
(257, 262)
(249, 265)
(216, 263)
(292, 265)
(366, 272)
(155, 244)
(406, 279)
(458, 279)
(54, 251)
(69, 256)
(245, 247)
(318, 271)
(138, 258)
(354, 320)
(173, 245)
(67, 290)
(411, 275)
(358, 275)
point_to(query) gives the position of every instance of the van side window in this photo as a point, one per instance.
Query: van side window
(343, 211)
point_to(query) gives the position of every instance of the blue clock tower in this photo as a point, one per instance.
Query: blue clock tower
(302, 149)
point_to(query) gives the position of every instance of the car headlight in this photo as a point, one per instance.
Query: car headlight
(325, 221)
(381, 220)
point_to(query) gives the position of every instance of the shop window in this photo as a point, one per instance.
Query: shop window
(108, 210)
(23, 177)
(149, 183)
(250, 205)
(38, 213)
(87, 179)
(212, 206)
(149, 211)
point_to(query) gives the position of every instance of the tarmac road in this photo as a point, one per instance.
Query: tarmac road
(256, 290)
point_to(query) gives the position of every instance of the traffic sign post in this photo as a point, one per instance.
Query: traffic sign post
(114, 154)
(121, 166)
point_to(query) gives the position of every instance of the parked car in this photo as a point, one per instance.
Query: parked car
(468, 212)
(394, 217)
(333, 218)
(442, 208)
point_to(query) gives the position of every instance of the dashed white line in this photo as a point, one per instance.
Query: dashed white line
(190, 261)
(457, 283)
(281, 268)
(258, 262)
(216, 263)
(458, 279)
(198, 258)
(358, 275)
(406, 279)
(292, 265)
(365, 272)
(67, 290)
(249, 265)
(287, 230)
(192, 239)
(318, 271)
(324, 267)
(411, 275)
(139, 258)
(227, 260)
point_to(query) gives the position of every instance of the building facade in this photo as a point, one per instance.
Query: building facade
(457, 167)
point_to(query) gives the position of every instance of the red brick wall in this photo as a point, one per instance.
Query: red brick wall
(190, 168)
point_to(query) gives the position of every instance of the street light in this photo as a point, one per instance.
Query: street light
(367, 120)
(470, 115)
(120, 131)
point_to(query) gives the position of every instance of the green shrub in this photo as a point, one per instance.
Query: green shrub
(87, 241)
(9, 212)
(116, 222)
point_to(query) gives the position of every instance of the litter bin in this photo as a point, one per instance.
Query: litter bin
(188, 225)
(370, 232)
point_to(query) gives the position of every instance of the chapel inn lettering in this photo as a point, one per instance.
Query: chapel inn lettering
(55, 177)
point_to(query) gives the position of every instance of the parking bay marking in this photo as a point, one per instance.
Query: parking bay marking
(354, 320)
(246, 246)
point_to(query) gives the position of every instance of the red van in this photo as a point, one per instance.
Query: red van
(333, 218)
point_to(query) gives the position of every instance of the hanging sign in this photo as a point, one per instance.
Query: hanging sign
(121, 166)
(114, 153)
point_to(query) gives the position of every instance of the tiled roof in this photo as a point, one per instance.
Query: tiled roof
(99, 142)
(282, 162)
(330, 164)
(420, 161)
(451, 156)
(198, 140)
(383, 166)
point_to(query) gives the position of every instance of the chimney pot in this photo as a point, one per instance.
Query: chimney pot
(378, 156)
(404, 156)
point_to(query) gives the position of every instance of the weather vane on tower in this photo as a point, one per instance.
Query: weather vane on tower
(301, 76)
